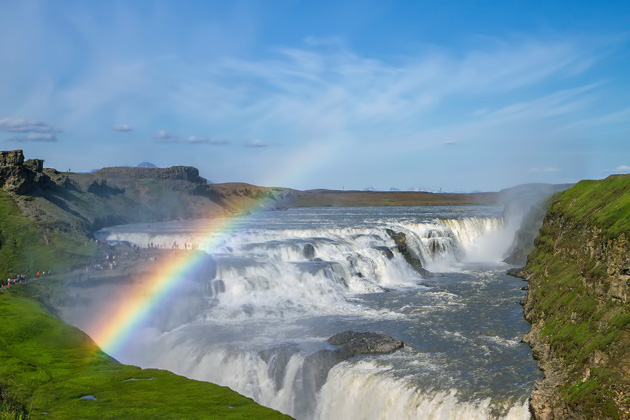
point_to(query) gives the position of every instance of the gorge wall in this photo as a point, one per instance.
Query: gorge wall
(578, 303)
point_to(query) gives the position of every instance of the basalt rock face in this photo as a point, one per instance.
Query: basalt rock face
(18, 176)
(11, 158)
(400, 239)
(578, 302)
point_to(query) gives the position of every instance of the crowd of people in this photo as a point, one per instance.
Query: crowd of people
(191, 246)
(109, 261)
(21, 278)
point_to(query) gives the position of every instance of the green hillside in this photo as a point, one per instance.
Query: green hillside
(578, 303)
(52, 370)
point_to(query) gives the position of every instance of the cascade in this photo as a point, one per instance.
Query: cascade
(268, 298)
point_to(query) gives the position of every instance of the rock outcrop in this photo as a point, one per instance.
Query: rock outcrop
(578, 302)
(347, 344)
(18, 176)
(181, 173)
(400, 239)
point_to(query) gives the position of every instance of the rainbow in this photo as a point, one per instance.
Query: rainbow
(114, 328)
(120, 321)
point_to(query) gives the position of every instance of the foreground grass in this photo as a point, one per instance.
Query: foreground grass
(48, 366)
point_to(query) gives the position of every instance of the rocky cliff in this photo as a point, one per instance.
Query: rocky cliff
(578, 303)
(19, 176)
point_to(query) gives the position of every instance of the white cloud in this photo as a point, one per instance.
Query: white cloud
(122, 127)
(34, 137)
(21, 125)
(165, 137)
(325, 91)
(255, 143)
(623, 168)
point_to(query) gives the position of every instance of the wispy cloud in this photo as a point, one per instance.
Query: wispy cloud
(30, 130)
(122, 127)
(165, 137)
(324, 89)
(34, 137)
(623, 168)
(255, 143)
(21, 125)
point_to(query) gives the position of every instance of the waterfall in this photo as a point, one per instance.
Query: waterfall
(258, 318)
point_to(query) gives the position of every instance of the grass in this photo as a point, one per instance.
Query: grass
(604, 203)
(585, 329)
(48, 366)
(25, 249)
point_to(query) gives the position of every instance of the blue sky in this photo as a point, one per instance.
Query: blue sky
(459, 96)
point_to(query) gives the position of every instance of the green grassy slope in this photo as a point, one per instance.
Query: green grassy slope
(605, 204)
(26, 249)
(49, 366)
(578, 296)
(46, 366)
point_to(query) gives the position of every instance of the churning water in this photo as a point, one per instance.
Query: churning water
(280, 283)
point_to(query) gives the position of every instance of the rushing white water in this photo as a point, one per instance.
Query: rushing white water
(278, 284)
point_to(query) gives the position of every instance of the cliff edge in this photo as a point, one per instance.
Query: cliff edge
(578, 303)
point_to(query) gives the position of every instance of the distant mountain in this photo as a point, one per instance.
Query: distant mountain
(146, 165)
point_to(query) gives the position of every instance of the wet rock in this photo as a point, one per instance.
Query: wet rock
(277, 360)
(354, 343)
(308, 252)
(400, 239)
(348, 344)
(516, 272)
(386, 251)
